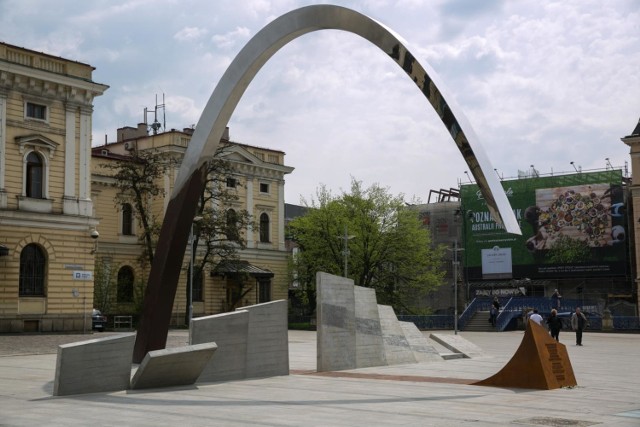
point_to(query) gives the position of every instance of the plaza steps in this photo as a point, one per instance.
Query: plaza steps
(479, 323)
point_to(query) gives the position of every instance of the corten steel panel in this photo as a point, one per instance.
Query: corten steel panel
(539, 363)
(165, 269)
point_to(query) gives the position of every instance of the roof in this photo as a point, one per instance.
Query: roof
(237, 266)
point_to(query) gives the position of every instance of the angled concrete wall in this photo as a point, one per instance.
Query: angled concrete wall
(98, 365)
(396, 347)
(355, 332)
(369, 337)
(230, 332)
(173, 366)
(252, 342)
(268, 340)
(422, 350)
(335, 322)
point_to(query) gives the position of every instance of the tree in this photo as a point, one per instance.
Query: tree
(388, 249)
(104, 284)
(220, 226)
(136, 180)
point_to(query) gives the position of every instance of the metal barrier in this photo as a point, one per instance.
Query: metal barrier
(436, 321)
(123, 322)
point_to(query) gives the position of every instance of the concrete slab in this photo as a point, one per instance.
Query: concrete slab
(458, 344)
(92, 366)
(267, 340)
(336, 323)
(369, 342)
(396, 346)
(173, 366)
(230, 332)
(422, 350)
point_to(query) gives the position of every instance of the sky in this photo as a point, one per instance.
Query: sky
(542, 83)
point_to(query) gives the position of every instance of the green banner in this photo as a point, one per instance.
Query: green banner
(572, 225)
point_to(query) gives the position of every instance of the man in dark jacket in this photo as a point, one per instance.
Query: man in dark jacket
(579, 323)
(555, 324)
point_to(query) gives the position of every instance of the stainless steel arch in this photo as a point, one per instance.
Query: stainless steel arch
(165, 270)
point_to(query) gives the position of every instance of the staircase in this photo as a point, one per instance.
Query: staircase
(479, 323)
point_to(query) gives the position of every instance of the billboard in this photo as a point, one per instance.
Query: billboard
(572, 226)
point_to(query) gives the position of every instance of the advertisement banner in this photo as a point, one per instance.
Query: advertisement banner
(572, 226)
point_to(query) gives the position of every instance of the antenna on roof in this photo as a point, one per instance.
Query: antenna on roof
(156, 125)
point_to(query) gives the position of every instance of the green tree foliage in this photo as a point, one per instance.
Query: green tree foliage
(222, 225)
(388, 249)
(104, 284)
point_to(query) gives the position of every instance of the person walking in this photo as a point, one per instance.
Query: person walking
(536, 317)
(579, 323)
(495, 310)
(555, 324)
(555, 300)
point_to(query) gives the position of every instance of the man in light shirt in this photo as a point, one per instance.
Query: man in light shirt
(536, 317)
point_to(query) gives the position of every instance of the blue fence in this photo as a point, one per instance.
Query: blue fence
(513, 310)
(438, 321)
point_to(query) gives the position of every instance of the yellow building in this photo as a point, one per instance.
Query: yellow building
(261, 172)
(46, 207)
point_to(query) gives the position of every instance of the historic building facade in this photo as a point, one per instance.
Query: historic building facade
(260, 174)
(46, 206)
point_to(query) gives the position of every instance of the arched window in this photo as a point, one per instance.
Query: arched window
(35, 176)
(264, 228)
(125, 284)
(232, 225)
(127, 220)
(32, 271)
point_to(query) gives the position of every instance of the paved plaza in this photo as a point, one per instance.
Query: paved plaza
(607, 369)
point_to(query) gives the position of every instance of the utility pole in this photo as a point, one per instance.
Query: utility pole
(455, 285)
(345, 251)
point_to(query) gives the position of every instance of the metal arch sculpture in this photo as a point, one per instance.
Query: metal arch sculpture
(165, 271)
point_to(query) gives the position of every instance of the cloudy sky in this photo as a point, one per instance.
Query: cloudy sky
(543, 83)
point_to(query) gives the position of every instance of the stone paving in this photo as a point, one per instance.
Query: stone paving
(426, 394)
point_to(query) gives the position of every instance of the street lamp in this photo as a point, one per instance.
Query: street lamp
(196, 220)
(345, 251)
(455, 285)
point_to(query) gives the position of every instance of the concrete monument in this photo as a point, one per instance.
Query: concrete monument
(353, 331)
(165, 270)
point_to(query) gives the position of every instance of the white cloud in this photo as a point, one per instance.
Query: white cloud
(542, 83)
(229, 40)
(190, 33)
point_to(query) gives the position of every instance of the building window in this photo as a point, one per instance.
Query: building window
(264, 290)
(125, 284)
(264, 188)
(196, 287)
(232, 225)
(36, 111)
(232, 182)
(35, 176)
(264, 228)
(32, 271)
(127, 220)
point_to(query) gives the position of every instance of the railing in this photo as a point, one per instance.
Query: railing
(626, 323)
(476, 304)
(436, 321)
(122, 322)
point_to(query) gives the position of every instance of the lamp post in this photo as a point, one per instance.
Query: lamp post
(192, 241)
(345, 251)
(455, 285)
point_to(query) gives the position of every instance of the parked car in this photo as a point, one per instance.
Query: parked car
(98, 321)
